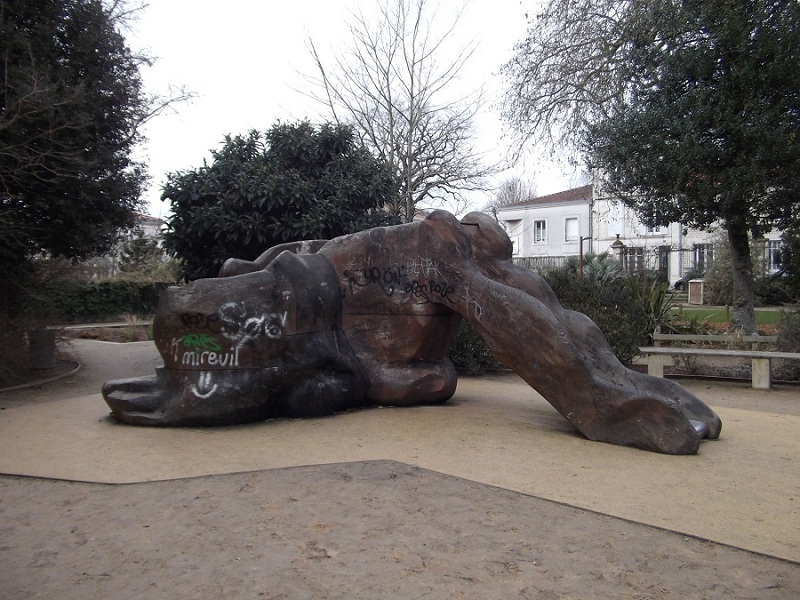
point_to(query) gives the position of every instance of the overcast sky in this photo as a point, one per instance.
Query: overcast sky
(243, 58)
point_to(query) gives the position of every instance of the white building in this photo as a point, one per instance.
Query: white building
(552, 225)
(101, 267)
(548, 229)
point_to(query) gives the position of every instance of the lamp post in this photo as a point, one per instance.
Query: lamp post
(580, 257)
(617, 248)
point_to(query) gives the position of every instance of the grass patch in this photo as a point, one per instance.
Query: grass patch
(722, 314)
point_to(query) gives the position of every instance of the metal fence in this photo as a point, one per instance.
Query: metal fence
(541, 263)
(690, 261)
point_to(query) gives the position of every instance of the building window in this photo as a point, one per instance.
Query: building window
(571, 233)
(539, 231)
(772, 256)
(702, 257)
(633, 259)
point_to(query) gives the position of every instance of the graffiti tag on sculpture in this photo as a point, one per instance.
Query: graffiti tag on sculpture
(192, 356)
(311, 329)
(395, 280)
(224, 333)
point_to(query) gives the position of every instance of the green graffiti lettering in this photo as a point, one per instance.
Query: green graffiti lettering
(200, 342)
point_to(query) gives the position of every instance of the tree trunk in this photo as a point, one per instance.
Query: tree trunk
(744, 316)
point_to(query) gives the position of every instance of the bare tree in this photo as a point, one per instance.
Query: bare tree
(393, 83)
(512, 191)
(573, 65)
(688, 110)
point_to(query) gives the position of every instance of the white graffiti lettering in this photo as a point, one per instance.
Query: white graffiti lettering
(194, 358)
(204, 388)
(241, 329)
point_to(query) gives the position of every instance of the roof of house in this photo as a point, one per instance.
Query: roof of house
(143, 218)
(579, 194)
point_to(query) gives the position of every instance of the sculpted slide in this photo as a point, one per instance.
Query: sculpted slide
(313, 328)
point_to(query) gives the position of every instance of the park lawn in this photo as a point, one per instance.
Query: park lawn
(722, 314)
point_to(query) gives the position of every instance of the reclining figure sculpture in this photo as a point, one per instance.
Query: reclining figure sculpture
(312, 328)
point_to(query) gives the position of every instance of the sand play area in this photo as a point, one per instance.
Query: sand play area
(492, 495)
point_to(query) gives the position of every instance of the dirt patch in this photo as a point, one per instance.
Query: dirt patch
(763, 329)
(352, 530)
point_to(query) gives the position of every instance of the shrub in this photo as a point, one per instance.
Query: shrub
(789, 330)
(470, 354)
(80, 300)
(600, 267)
(654, 298)
(40, 296)
(771, 292)
(610, 305)
(789, 340)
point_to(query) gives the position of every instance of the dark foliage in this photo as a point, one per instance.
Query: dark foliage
(470, 354)
(610, 305)
(70, 104)
(789, 341)
(790, 263)
(294, 182)
(789, 330)
(99, 301)
(711, 130)
(772, 291)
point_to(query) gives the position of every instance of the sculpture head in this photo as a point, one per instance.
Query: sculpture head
(489, 240)
(247, 348)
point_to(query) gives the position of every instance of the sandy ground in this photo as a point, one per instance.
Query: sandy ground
(490, 496)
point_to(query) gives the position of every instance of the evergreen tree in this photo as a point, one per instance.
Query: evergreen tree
(295, 182)
(70, 103)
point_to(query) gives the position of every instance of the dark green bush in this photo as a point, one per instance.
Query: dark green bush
(789, 330)
(789, 341)
(43, 297)
(470, 354)
(609, 304)
(78, 300)
(771, 292)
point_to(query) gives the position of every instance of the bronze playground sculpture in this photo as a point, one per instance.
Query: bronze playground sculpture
(312, 328)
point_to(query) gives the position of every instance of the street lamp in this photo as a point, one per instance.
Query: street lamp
(580, 257)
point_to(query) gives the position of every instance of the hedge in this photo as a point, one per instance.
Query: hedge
(76, 300)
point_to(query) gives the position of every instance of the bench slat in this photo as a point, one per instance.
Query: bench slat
(749, 339)
(720, 352)
(760, 373)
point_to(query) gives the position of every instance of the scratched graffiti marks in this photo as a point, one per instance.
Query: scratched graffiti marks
(425, 266)
(395, 280)
(210, 322)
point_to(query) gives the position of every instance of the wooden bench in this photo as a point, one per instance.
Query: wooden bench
(754, 340)
(761, 375)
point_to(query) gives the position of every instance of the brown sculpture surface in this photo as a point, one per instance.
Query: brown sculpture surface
(312, 328)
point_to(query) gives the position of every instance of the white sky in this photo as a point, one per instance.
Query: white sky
(244, 58)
